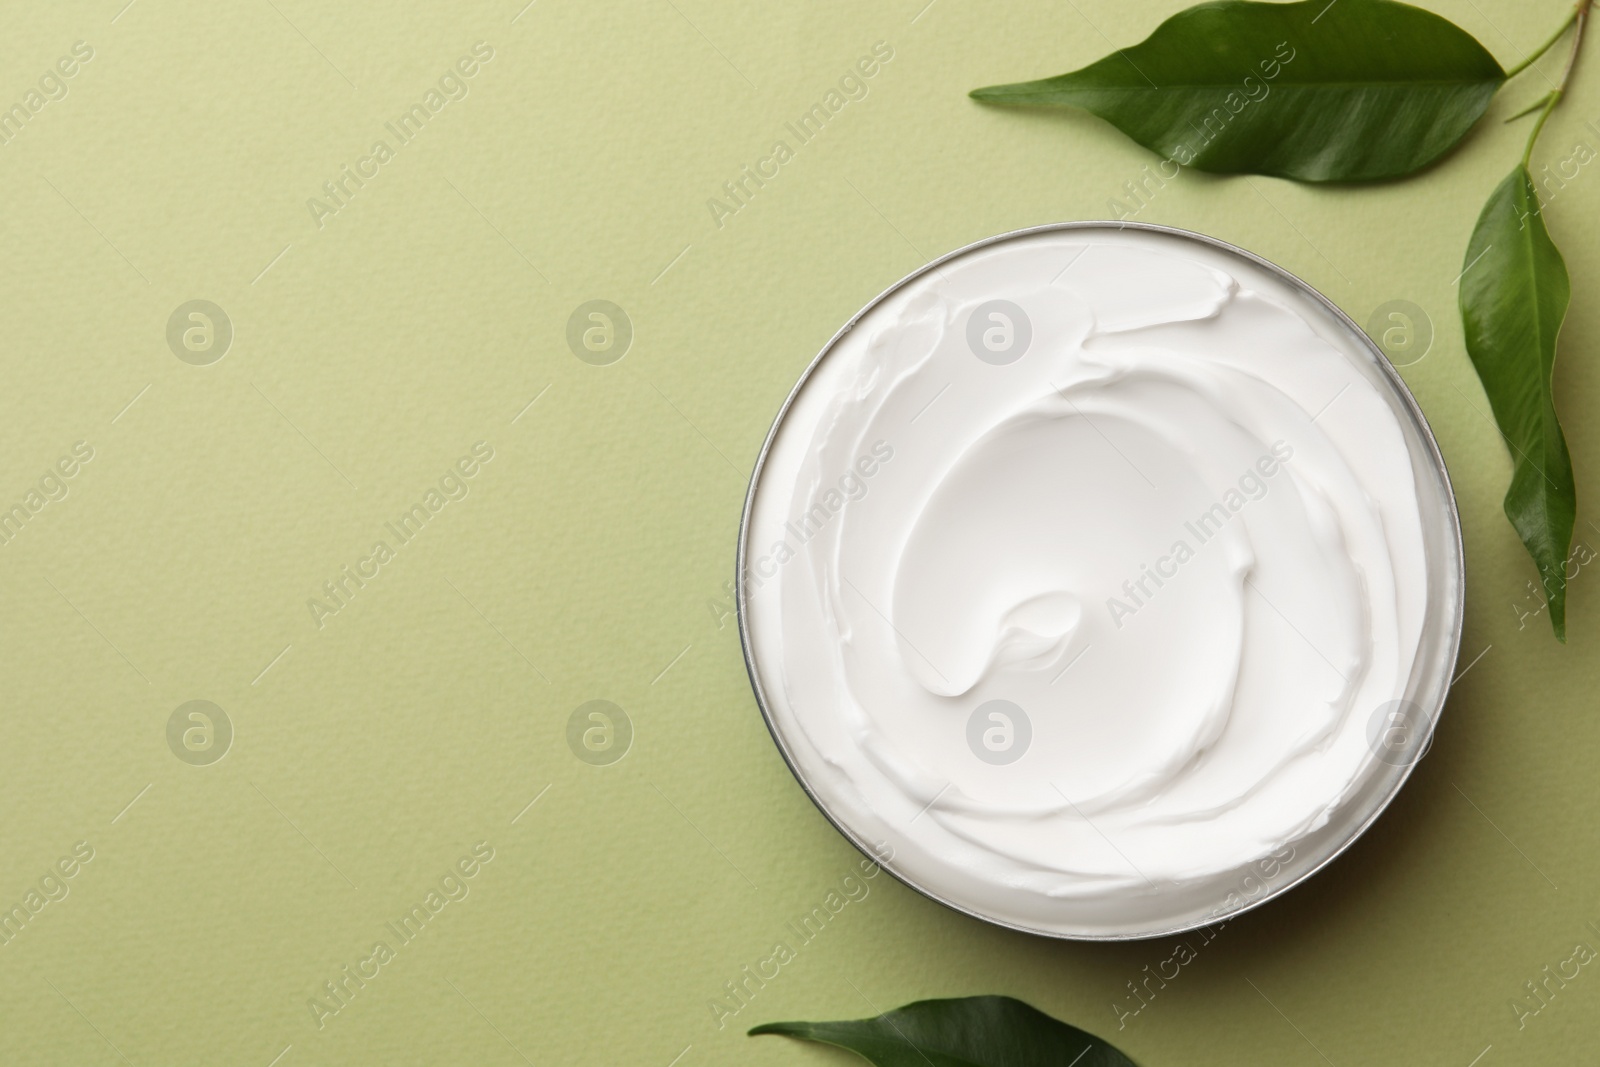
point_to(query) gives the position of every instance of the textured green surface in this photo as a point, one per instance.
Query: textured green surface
(367, 359)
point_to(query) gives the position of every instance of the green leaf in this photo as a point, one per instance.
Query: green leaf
(1514, 293)
(1350, 90)
(965, 1032)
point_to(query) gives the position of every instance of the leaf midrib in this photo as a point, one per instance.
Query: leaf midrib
(1546, 386)
(1234, 86)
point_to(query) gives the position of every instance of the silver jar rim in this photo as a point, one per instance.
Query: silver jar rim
(1444, 656)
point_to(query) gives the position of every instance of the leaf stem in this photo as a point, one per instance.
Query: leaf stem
(1533, 57)
(1530, 109)
(1579, 18)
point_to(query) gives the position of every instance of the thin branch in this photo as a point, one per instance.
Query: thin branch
(1580, 18)
(1533, 57)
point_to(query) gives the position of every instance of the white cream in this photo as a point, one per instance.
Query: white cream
(1173, 512)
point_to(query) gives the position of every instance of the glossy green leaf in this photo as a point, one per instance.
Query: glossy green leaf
(1514, 293)
(1347, 90)
(965, 1032)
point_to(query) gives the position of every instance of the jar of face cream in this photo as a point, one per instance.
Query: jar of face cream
(1102, 580)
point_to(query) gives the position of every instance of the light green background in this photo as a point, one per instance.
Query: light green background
(589, 559)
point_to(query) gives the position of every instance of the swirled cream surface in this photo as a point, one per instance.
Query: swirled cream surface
(1076, 571)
